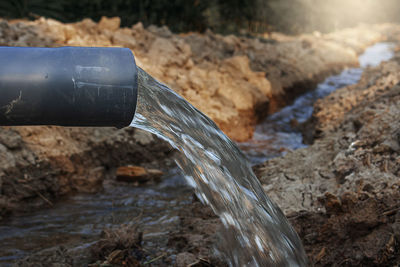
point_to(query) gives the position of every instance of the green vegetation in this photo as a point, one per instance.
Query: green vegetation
(225, 16)
(179, 15)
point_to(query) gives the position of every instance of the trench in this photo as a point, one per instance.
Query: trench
(77, 222)
(282, 131)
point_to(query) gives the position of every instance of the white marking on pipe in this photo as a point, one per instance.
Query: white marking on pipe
(10, 106)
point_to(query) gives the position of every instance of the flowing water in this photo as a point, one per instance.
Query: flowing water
(278, 133)
(78, 221)
(257, 232)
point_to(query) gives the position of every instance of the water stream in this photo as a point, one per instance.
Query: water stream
(278, 133)
(257, 232)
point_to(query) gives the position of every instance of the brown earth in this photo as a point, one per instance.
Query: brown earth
(234, 80)
(191, 244)
(356, 147)
(341, 193)
(39, 164)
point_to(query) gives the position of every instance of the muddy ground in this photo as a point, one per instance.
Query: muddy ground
(235, 80)
(341, 193)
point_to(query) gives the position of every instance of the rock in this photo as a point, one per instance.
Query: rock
(136, 174)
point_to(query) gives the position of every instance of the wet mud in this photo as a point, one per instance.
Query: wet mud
(341, 193)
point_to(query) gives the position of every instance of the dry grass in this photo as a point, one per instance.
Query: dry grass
(119, 247)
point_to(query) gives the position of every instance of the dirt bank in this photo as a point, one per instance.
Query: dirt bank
(235, 80)
(343, 191)
(356, 146)
(39, 164)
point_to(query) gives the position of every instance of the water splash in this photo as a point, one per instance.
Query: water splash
(257, 233)
(118, 203)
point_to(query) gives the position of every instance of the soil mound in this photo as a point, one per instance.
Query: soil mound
(234, 80)
(343, 191)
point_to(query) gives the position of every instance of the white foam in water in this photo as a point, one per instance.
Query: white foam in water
(257, 232)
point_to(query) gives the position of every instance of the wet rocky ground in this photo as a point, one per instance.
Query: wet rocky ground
(341, 193)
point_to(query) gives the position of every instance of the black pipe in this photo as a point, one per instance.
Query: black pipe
(67, 86)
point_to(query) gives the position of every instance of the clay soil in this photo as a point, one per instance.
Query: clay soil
(341, 193)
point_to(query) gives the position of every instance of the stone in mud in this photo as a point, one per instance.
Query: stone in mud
(136, 174)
